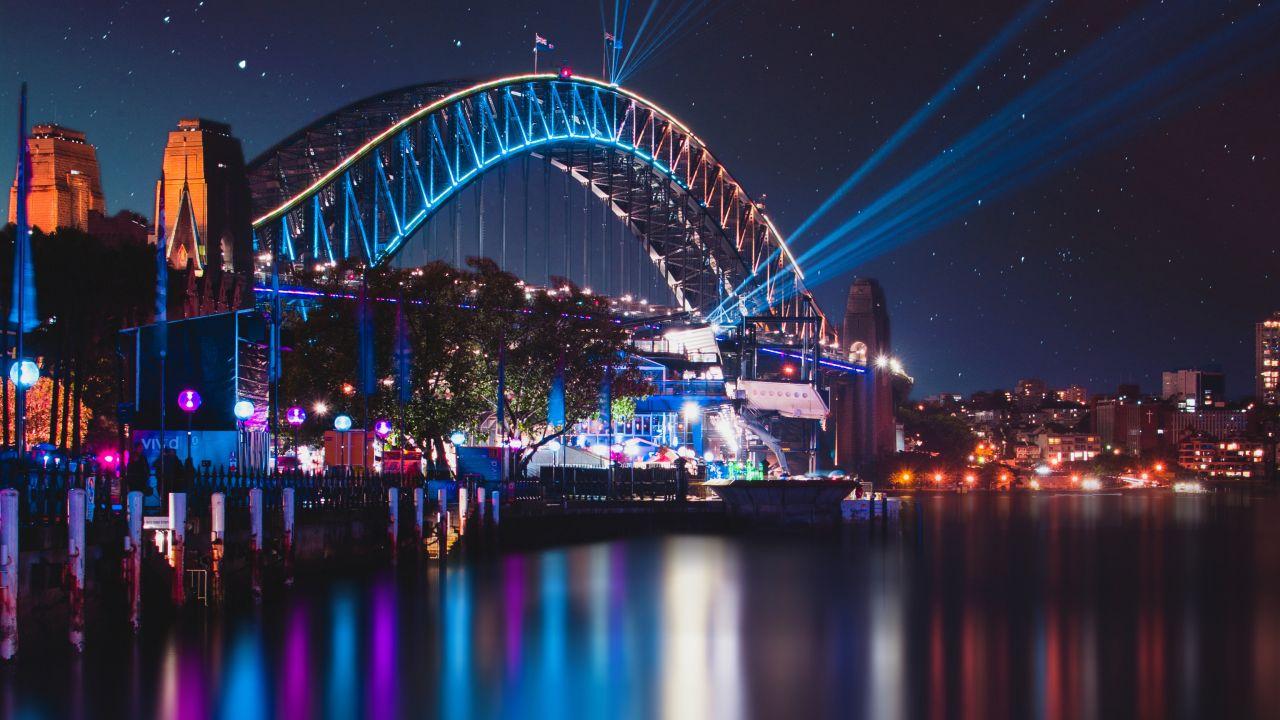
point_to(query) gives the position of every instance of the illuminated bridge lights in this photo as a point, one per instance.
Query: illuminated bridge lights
(708, 239)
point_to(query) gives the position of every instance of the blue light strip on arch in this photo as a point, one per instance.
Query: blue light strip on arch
(473, 130)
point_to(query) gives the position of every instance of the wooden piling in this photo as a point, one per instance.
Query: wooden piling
(75, 565)
(8, 574)
(255, 541)
(177, 546)
(133, 560)
(287, 510)
(393, 521)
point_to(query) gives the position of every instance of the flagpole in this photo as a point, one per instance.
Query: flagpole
(162, 323)
(22, 242)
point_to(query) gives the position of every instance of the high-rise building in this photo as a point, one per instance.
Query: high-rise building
(65, 182)
(864, 405)
(1194, 388)
(1267, 358)
(1033, 388)
(1072, 393)
(206, 199)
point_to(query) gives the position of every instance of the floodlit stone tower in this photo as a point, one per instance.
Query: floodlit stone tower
(66, 184)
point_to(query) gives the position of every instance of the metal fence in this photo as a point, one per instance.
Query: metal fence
(590, 483)
(42, 490)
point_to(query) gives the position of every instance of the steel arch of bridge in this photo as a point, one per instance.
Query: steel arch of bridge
(341, 189)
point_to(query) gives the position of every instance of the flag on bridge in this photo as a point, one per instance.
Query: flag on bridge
(539, 40)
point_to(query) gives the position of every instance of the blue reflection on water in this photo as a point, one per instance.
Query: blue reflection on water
(343, 653)
(1000, 606)
(246, 696)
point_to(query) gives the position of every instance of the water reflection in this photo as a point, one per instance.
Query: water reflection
(983, 606)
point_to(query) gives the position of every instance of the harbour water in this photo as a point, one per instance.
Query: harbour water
(980, 605)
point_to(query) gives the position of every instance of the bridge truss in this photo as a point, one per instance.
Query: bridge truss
(360, 182)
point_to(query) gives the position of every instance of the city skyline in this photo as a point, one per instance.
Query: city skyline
(1023, 286)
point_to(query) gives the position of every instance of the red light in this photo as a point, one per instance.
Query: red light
(566, 72)
(788, 370)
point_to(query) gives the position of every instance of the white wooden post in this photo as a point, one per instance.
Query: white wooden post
(418, 497)
(393, 520)
(177, 546)
(75, 564)
(133, 560)
(462, 508)
(286, 496)
(8, 574)
(255, 541)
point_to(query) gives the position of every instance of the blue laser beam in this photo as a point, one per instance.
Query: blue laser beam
(924, 113)
(1081, 110)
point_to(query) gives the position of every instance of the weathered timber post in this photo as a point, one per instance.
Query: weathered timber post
(133, 560)
(286, 499)
(177, 545)
(418, 498)
(393, 521)
(217, 538)
(75, 565)
(462, 508)
(8, 574)
(255, 541)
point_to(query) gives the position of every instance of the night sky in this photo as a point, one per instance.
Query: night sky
(1154, 251)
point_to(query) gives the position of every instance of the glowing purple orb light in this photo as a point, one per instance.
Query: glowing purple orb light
(189, 401)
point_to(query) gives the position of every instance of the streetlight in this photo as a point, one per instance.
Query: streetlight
(243, 410)
(342, 424)
(457, 438)
(295, 416)
(23, 374)
(189, 402)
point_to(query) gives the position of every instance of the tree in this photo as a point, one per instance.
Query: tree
(461, 325)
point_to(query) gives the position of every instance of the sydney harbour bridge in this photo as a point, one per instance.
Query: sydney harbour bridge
(378, 182)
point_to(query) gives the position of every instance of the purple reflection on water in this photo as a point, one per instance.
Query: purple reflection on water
(382, 663)
(295, 701)
(513, 609)
(992, 606)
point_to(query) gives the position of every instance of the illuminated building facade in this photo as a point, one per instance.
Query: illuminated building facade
(206, 199)
(1221, 458)
(66, 185)
(1068, 447)
(1194, 388)
(1267, 356)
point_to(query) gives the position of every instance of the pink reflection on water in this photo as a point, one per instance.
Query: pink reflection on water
(381, 701)
(295, 700)
(513, 608)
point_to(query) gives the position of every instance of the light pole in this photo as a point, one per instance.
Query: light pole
(243, 410)
(295, 416)
(189, 402)
(342, 423)
(23, 374)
